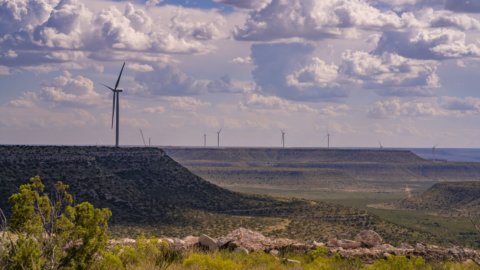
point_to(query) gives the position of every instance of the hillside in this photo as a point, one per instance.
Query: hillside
(148, 191)
(447, 196)
(138, 184)
(333, 169)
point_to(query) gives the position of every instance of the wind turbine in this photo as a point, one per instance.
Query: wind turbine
(218, 137)
(328, 139)
(143, 138)
(204, 140)
(381, 145)
(434, 148)
(116, 104)
(283, 138)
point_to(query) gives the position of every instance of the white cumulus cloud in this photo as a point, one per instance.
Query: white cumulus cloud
(391, 74)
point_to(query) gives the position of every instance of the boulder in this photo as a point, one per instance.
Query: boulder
(208, 242)
(191, 241)
(274, 252)
(343, 244)
(177, 244)
(248, 239)
(420, 249)
(333, 242)
(405, 246)
(369, 238)
(348, 244)
(314, 244)
(241, 250)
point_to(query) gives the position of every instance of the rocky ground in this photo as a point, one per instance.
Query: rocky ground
(367, 246)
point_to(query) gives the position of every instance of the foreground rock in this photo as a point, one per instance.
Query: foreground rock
(255, 241)
(208, 242)
(369, 238)
(367, 246)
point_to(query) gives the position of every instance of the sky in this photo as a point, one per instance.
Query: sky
(400, 73)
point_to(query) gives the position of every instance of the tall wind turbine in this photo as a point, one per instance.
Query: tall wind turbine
(381, 145)
(205, 140)
(116, 104)
(283, 138)
(218, 137)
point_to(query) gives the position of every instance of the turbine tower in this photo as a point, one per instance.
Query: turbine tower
(116, 105)
(381, 145)
(283, 138)
(205, 140)
(218, 137)
(328, 139)
(434, 148)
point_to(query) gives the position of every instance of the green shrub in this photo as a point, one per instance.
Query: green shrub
(335, 262)
(53, 234)
(109, 261)
(210, 262)
(148, 251)
(255, 260)
(318, 252)
(400, 263)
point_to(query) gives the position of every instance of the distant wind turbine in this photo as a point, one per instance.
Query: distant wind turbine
(116, 104)
(143, 138)
(218, 137)
(381, 145)
(149, 141)
(205, 140)
(283, 138)
(328, 139)
(434, 148)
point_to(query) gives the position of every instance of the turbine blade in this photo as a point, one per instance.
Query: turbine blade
(119, 76)
(108, 87)
(143, 138)
(113, 108)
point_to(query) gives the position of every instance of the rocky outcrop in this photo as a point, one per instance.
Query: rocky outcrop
(367, 246)
(255, 241)
(428, 252)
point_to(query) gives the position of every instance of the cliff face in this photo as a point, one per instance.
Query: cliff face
(140, 185)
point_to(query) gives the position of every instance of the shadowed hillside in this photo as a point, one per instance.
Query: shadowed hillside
(148, 191)
(138, 184)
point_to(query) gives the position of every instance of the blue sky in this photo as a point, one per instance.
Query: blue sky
(400, 72)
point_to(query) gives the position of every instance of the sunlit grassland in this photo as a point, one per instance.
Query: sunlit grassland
(452, 229)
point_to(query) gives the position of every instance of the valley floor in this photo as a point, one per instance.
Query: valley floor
(453, 230)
